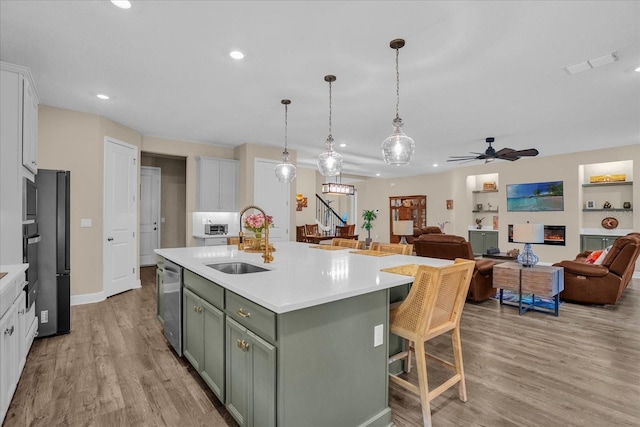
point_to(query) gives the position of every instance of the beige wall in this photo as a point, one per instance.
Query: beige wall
(305, 184)
(74, 141)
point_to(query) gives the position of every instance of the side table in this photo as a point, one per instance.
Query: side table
(544, 281)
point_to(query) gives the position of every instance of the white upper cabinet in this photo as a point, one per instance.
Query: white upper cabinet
(29, 127)
(217, 186)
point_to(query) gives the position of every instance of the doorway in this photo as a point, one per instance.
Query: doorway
(150, 230)
(272, 196)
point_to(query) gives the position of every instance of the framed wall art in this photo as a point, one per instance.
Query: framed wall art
(536, 196)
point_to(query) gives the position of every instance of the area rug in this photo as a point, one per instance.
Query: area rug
(512, 298)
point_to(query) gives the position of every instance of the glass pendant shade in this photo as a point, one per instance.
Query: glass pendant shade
(330, 162)
(285, 171)
(398, 148)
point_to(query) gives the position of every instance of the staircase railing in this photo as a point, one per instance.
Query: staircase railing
(326, 216)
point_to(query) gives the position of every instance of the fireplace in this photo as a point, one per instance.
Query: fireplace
(553, 234)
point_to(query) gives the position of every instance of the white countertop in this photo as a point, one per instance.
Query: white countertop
(300, 276)
(5, 284)
(212, 236)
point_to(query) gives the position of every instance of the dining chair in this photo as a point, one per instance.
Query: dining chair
(300, 234)
(347, 243)
(433, 307)
(342, 231)
(394, 248)
(311, 229)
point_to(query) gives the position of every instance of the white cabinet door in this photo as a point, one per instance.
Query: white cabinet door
(9, 357)
(29, 128)
(228, 186)
(21, 331)
(217, 185)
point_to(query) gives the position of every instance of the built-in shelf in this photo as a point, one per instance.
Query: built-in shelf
(491, 211)
(484, 191)
(608, 184)
(608, 210)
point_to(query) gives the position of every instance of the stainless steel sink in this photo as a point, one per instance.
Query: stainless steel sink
(236, 267)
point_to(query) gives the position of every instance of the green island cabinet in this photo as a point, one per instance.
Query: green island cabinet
(160, 289)
(289, 369)
(203, 330)
(481, 240)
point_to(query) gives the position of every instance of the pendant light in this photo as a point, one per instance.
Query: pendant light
(285, 171)
(397, 149)
(330, 162)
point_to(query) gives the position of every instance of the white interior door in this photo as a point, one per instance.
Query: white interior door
(272, 196)
(149, 214)
(120, 206)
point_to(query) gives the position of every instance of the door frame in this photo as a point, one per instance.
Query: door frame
(287, 228)
(109, 141)
(158, 214)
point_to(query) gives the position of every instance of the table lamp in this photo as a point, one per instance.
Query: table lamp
(527, 234)
(403, 229)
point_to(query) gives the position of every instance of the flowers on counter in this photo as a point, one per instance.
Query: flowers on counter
(256, 222)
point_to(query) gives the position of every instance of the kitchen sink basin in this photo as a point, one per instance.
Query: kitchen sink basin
(237, 267)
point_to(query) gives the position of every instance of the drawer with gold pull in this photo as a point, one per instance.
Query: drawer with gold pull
(251, 315)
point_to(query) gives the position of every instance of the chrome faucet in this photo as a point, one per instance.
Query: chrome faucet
(266, 255)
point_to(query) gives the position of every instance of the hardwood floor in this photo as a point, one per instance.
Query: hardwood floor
(116, 369)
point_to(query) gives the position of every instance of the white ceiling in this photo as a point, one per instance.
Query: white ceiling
(469, 70)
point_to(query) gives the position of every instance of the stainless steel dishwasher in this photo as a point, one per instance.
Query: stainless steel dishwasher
(173, 305)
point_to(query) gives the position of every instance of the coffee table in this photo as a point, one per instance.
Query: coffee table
(540, 280)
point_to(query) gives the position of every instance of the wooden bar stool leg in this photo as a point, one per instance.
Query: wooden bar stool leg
(457, 356)
(421, 364)
(407, 363)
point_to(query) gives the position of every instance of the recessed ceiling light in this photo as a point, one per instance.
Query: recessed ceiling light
(638, 70)
(122, 4)
(102, 96)
(343, 145)
(236, 54)
(435, 165)
(378, 174)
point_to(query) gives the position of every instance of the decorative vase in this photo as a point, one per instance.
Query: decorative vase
(257, 241)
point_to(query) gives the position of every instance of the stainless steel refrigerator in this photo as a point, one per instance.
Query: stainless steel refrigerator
(53, 306)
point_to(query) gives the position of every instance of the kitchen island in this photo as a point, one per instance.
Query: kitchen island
(302, 344)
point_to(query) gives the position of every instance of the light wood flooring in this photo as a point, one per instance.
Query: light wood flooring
(116, 369)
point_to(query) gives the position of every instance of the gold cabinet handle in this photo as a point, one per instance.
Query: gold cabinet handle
(243, 313)
(243, 345)
(197, 309)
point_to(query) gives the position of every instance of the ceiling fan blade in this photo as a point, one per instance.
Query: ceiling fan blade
(531, 152)
(461, 159)
(509, 157)
(505, 152)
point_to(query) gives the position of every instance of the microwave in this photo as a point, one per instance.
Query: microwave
(216, 229)
(29, 200)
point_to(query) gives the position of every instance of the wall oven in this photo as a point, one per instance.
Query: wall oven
(30, 242)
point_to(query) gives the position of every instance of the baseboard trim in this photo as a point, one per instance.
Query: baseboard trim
(96, 297)
(88, 298)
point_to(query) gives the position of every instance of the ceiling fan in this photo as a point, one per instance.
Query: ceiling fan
(491, 154)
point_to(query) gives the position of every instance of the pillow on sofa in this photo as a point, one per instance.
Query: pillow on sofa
(593, 256)
(604, 253)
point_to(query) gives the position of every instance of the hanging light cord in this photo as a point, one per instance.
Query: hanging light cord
(397, 85)
(286, 108)
(330, 138)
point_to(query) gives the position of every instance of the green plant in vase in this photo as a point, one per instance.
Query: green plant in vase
(368, 217)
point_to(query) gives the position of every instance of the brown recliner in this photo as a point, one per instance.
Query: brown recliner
(417, 232)
(448, 246)
(604, 283)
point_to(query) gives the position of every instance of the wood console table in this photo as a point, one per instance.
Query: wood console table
(543, 281)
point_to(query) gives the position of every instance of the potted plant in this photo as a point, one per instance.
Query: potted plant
(368, 216)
